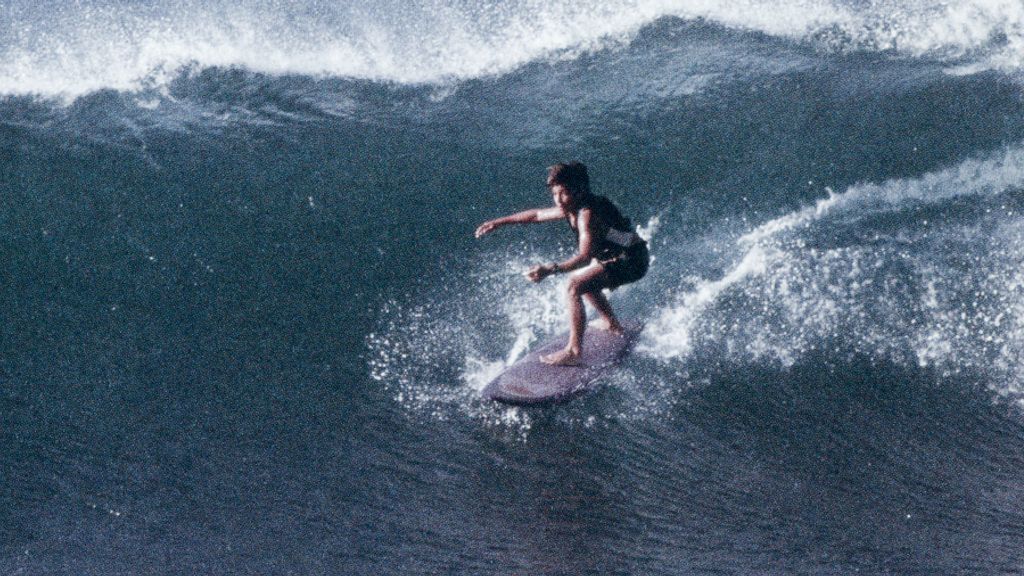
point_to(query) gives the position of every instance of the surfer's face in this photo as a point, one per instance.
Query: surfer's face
(562, 197)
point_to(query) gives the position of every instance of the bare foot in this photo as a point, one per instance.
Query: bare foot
(561, 358)
(602, 324)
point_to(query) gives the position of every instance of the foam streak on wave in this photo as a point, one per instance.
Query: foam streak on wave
(970, 178)
(106, 45)
(926, 281)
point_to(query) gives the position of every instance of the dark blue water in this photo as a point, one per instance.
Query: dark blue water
(245, 321)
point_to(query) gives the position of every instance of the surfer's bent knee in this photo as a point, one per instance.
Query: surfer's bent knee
(573, 288)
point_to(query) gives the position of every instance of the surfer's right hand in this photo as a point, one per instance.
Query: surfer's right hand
(485, 228)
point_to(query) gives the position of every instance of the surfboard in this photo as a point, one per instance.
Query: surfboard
(530, 381)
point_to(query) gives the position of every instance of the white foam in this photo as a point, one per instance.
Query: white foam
(669, 335)
(648, 230)
(969, 178)
(82, 48)
(478, 372)
(942, 294)
(435, 359)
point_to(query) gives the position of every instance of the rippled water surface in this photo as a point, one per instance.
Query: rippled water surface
(246, 323)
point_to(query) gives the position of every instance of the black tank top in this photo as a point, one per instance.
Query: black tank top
(618, 230)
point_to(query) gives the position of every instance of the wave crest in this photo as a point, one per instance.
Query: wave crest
(73, 50)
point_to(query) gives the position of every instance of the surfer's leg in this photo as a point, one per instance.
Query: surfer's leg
(590, 279)
(600, 303)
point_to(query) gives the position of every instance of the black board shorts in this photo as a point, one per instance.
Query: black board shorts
(627, 267)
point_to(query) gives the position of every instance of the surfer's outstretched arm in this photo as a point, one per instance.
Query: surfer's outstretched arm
(524, 217)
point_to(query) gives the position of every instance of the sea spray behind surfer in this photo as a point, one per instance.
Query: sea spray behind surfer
(609, 254)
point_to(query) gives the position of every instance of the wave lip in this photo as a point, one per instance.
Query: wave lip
(424, 42)
(85, 48)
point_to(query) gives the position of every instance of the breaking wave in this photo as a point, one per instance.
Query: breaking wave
(66, 51)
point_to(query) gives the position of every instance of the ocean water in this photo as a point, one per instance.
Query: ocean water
(245, 321)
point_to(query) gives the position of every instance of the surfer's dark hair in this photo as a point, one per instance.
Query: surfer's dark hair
(572, 175)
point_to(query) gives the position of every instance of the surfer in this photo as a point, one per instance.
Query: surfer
(610, 253)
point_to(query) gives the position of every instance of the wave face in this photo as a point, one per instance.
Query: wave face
(246, 321)
(56, 49)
